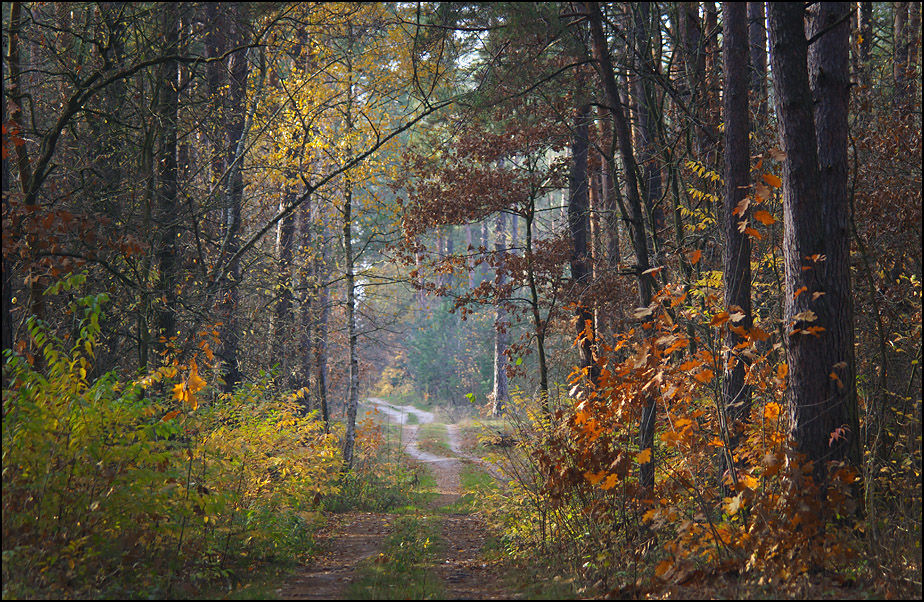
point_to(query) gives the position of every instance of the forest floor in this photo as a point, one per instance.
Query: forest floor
(356, 538)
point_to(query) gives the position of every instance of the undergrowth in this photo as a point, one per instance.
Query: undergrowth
(403, 570)
(157, 486)
(380, 479)
(577, 508)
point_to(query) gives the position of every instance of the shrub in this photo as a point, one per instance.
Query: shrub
(154, 487)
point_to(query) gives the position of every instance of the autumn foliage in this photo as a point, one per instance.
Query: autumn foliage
(157, 484)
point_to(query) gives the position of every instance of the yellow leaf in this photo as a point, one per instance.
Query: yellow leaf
(670, 438)
(643, 312)
(195, 383)
(782, 370)
(805, 316)
(733, 504)
(644, 457)
(753, 233)
(762, 192)
(690, 364)
(758, 333)
(749, 481)
(742, 206)
(581, 416)
(609, 482)
(771, 411)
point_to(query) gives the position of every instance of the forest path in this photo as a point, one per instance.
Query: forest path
(355, 537)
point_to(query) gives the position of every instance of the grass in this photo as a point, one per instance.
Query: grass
(432, 438)
(477, 486)
(403, 569)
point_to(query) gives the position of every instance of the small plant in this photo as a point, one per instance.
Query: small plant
(404, 568)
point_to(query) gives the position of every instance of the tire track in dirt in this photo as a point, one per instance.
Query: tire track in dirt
(351, 539)
(358, 536)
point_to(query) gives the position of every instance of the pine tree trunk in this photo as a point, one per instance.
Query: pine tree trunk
(501, 337)
(640, 239)
(735, 393)
(829, 78)
(817, 313)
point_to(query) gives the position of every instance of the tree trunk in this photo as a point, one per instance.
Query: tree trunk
(282, 317)
(320, 339)
(914, 42)
(168, 190)
(7, 331)
(579, 227)
(647, 126)
(350, 276)
(865, 43)
(538, 323)
(640, 240)
(353, 386)
(819, 364)
(736, 395)
(900, 56)
(757, 44)
(501, 337)
(609, 194)
(237, 95)
(829, 78)
(309, 291)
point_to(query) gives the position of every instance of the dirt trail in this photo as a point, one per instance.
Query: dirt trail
(358, 536)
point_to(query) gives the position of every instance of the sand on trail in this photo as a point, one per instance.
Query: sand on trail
(355, 537)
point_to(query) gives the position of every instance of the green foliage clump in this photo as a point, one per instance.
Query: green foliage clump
(152, 487)
(404, 569)
(376, 483)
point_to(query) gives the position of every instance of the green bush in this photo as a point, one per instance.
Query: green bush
(116, 489)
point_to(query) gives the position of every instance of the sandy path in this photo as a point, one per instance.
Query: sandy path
(359, 536)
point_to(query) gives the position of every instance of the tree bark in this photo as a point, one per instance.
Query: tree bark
(7, 330)
(829, 78)
(819, 364)
(604, 67)
(579, 227)
(282, 317)
(353, 382)
(501, 337)
(736, 394)
(168, 191)
(237, 95)
(900, 56)
(757, 44)
(865, 27)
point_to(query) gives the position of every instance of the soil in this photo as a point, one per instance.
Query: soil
(354, 537)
